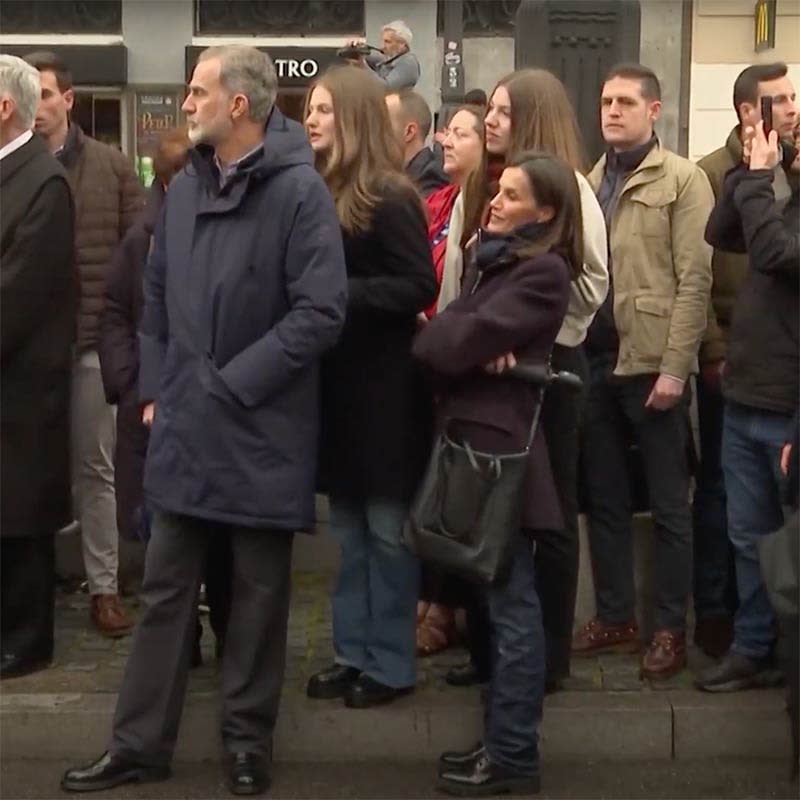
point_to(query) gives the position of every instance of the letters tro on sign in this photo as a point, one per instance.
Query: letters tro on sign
(296, 66)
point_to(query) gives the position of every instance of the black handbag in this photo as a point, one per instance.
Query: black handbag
(468, 509)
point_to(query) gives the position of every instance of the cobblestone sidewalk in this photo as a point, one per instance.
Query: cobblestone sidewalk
(87, 662)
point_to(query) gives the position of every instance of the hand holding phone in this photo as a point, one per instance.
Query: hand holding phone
(766, 114)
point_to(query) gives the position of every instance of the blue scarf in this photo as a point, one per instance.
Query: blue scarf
(495, 249)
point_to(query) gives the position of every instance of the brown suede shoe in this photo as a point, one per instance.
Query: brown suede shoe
(665, 655)
(714, 635)
(596, 637)
(109, 616)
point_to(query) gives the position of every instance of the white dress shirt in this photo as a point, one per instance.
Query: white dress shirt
(15, 144)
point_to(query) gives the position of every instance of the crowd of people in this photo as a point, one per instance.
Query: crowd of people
(301, 308)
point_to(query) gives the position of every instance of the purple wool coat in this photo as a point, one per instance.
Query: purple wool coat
(515, 307)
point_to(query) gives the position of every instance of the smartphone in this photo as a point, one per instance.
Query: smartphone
(766, 114)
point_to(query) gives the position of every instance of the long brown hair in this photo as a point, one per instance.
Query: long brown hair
(475, 190)
(553, 183)
(365, 158)
(542, 117)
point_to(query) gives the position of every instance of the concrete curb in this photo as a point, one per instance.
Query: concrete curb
(610, 725)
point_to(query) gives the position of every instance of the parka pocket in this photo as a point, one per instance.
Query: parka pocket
(652, 211)
(651, 325)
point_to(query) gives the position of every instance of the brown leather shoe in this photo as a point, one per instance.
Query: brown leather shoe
(597, 637)
(109, 616)
(665, 655)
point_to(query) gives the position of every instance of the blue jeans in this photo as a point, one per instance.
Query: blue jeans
(751, 446)
(513, 702)
(714, 577)
(375, 599)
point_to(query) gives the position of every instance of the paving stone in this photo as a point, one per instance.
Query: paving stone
(78, 666)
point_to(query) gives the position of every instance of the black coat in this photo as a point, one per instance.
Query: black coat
(376, 409)
(762, 365)
(39, 301)
(517, 307)
(244, 291)
(118, 347)
(426, 172)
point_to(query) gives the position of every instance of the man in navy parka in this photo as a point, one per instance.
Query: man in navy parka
(244, 290)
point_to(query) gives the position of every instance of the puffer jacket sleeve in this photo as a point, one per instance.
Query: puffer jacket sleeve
(131, 192)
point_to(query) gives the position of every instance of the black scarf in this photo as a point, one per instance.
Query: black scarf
(496, 249)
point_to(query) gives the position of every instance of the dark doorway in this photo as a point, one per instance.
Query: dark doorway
(579, 41)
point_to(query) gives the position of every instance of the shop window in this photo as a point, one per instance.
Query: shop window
(483, 17)
(99, 114)
(61, 16)
(313, 17)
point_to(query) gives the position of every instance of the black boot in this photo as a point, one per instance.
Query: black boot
(367, 692)
(110, 771)
(484, 778)
(248, 774)
(332, 682)
(460, 759)
(465, 675)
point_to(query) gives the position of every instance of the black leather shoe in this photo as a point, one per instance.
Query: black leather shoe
(484, 778)
(366, 692)
(465, 675)
(331, 682)
(110, 771)
(13, 665)
(248, 774)
(460, 758)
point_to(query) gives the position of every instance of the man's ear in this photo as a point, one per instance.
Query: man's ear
(654, 110)
(69, 99)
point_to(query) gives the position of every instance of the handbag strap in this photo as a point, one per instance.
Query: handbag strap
(537, 413)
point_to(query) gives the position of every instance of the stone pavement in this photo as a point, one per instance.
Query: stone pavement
(606, 711)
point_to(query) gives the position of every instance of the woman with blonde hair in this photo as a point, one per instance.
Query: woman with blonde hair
(529, 110)
(376, 427)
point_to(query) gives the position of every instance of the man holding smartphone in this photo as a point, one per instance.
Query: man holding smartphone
(714, 589)
(758, 212)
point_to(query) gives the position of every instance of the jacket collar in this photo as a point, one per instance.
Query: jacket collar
(733, 144)
(651, 169)
(20, 157)
(73, 145)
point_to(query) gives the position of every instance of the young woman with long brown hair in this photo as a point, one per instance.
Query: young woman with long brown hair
(530, 110)
(375, 411)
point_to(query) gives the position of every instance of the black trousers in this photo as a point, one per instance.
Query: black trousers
(151, 697)
(27, 593)
(557, 552)
(615, 411)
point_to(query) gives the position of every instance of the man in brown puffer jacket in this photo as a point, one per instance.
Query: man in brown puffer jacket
(108, 198)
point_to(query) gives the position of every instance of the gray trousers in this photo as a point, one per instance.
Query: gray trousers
(93, 441)
(151, 697)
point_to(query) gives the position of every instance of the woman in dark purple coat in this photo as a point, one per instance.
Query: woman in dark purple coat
(511, 308)
(119, 363)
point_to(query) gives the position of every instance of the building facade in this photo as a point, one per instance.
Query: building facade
(131, 58)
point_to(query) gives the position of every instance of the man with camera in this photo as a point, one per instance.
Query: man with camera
(394, 64)
(760, 378)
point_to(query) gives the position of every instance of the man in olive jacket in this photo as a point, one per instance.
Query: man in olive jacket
(643, 348)
(108, 199)
(38, 294)
(714, 590)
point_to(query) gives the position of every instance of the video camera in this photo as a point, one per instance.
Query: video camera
(357, 51)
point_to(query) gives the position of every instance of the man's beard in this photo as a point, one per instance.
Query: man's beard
(210, 133)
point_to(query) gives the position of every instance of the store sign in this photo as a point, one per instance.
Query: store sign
(765, 21)
(296, 66)
(156, 113)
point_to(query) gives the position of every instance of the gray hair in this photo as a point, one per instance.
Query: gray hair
(248, 71)
(400, 30)
(21, 82)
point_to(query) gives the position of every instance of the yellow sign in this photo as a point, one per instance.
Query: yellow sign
(765, 18)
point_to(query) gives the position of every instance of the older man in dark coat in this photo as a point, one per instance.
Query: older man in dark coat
(38, 292)
(245, 289)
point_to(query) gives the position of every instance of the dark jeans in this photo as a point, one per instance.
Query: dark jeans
(513, 702)
(27, 592)
(615, 411)
(557, 552)
(714, 575)
(751, 446)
